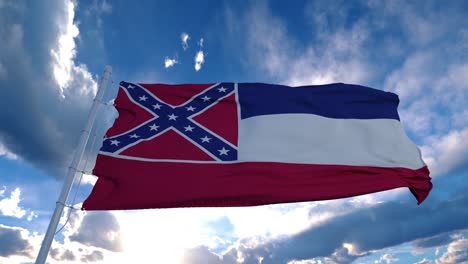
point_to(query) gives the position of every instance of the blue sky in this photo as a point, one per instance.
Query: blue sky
(54, 52)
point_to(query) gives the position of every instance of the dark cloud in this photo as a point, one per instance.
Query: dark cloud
(38, 121)
(364, 230)
(99, 229)
(13, 243)
(93, 257)
(434, 241)
(62, 254)
(375, 228)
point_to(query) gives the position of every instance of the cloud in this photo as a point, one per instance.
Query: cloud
(91, 40)
(99, 7)
(89, 179)
(65, 52)
(6, 153)
(94, 256)
(14, 242)
(335, 57)
(358, 233)
(433, 105)
(10, 206)
(424, 261)
(200, 42)
(84, 236)
(199, 60)
(62, 254)
(168, 63)
(387, 258)
(200, 255)
(446, 153)
(434, 241)
(417, 82)
(50, 92)
(99, 229)
(457, 252)
(341, 255)
(184, 37)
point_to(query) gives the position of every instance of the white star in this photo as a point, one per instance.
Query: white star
(222, 89)
(206, 98)
(172, 117)
(223, 151)
(189, 128)
(130, 86)
(153, 127)
(143, 98)
(205, 139)
(134, 136)
(157, 106)
(190, 108)
(115, 142)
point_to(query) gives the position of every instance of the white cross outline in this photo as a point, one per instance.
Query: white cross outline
(190, 118)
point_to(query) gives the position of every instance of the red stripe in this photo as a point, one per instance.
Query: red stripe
(165, 184)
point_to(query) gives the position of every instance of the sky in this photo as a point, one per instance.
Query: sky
(52, 56)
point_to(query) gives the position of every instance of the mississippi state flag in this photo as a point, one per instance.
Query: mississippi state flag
(243, 144)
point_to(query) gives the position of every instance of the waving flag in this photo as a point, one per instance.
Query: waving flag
(243, 144)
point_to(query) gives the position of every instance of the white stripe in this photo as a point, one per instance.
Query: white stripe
(120, 156)
(312, 139)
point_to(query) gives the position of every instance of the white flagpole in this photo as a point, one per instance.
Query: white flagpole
(49, 236)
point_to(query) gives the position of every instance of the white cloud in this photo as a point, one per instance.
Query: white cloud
(168, 62)
(336, 57)
(184, 37)
(413, 77)
(31, 216)
(200, 42)
(65, 52)
(10, 206)
(457, 252)
(387, 258)
(89, 179)
(433, 99)
(447, 152)
(64, 68)
(199, 60)
(424, 261)
(433, 106)
(176, 230)
(7, 153)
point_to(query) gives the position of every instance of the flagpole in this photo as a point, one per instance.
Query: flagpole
(49, 236)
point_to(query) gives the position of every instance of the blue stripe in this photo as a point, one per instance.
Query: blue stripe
(332, 100)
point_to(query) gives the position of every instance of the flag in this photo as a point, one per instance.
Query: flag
(244, 144)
